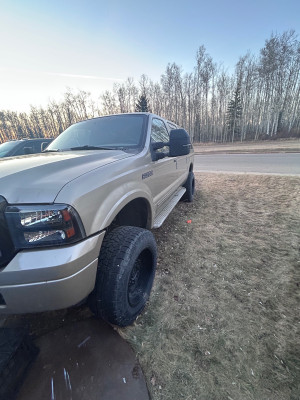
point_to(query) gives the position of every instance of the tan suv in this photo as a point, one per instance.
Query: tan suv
(75, 220)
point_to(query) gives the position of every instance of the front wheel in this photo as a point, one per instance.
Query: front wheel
(125, 275)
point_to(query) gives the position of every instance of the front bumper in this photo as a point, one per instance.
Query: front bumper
(49, 279)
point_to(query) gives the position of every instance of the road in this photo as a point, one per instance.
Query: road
(276, 163)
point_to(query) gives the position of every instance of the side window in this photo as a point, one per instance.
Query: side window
(159, 133)
(172, 126)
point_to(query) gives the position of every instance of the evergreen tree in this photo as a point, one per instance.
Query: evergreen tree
(142, 105)
(234, 113)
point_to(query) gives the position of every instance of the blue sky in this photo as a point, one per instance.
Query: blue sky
(47, 46)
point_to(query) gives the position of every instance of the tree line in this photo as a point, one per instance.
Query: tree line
(259, 100)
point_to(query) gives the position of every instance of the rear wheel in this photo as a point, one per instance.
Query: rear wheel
(125, 275)
(190, 188)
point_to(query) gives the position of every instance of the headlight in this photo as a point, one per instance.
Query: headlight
(43, 225)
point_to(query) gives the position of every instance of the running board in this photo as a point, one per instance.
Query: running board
(159, 219)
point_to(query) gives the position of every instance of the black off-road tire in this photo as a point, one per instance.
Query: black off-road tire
(190, 188)
(125, 275)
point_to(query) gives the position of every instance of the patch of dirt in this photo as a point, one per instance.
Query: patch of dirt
(222, 321)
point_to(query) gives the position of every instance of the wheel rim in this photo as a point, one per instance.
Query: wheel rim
(140, 279)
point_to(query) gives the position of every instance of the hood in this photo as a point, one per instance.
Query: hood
(38, 178)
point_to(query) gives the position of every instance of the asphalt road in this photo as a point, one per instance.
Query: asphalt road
(275, 163)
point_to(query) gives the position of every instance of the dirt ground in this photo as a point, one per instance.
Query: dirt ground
(222, 322)
(266, 146)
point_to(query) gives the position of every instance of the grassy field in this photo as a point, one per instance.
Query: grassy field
(223, 318)
(223, 321)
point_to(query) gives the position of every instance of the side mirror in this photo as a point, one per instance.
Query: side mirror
(159, 155)
(180, 143)
(158, 145)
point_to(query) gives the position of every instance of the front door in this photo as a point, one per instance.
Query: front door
(164, 181)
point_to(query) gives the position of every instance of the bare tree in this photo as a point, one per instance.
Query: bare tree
(261, 99)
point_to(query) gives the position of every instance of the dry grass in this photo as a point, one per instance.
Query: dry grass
(262, 146)
(223, 319)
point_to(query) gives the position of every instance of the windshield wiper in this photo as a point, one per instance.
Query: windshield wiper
(87, 147)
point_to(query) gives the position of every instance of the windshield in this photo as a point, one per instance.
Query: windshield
(112, 132)
(5, 148)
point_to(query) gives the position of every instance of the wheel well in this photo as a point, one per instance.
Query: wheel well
(136, 213)
(191, 168)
